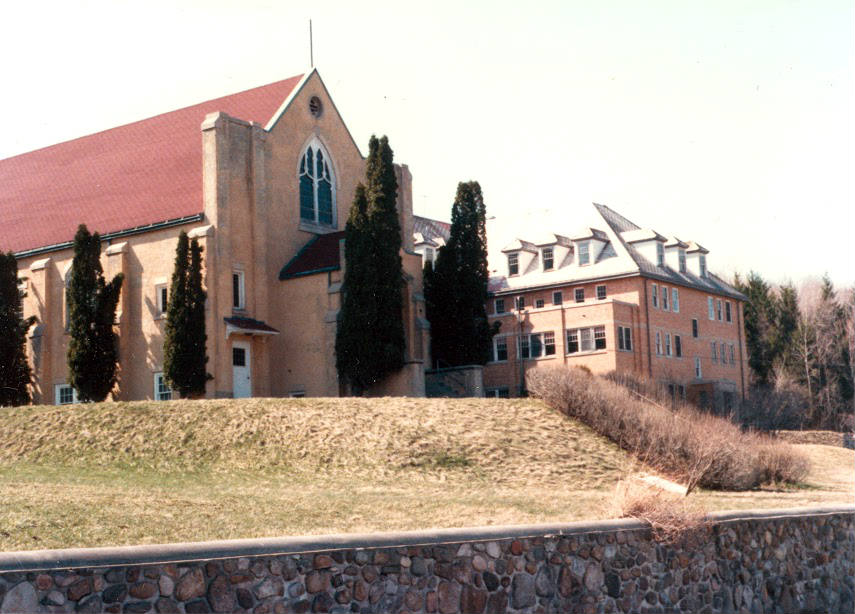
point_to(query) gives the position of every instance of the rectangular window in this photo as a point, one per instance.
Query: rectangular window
(718, 309)
(678, 346)
(557, 298)
(520, 301)
(675, 300)
(702, 261)
(655, 296)
(161, 296)
(538, 303)
(586, 339)
(533, 346)
(697, 367)
(162, 392)
(667, 344)
(727, 315)
(238, 357)
(660, 254)
(722, 352)
(664, 291)
(500, 305)
(572, 341)
(549, 344)
(238, 290)
(513, 264)
(732, 361)
(658, 343)
(682, 258)
(65, 394)
(601, 293)
(500, 349)
(714, 350)
(695, 328)
(498, 393)
(547, 257)
(625, 338)
(523, 347)
(580, 295)
(584, 253)
(600, 337)
(711, 307)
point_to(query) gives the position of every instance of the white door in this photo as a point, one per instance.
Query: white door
(241, 375)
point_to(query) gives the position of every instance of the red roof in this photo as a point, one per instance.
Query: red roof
(142, 173)
(320, 254)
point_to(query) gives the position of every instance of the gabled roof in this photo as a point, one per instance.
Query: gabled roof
(590, 233)
(519, 245)
(319, 255)
(675, 242)
(641, 234)
(134, 175)
(553, 239)
(431, 231)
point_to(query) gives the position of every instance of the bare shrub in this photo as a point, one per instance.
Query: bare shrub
(697, 448)
(671, 517)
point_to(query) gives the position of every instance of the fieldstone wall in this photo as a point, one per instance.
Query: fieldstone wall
(766, 563)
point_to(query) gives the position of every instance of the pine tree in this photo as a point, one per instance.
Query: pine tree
(456, 289)
(370, 339)
(759, 326)
(184, 344)
(15, 375)
(93, 347)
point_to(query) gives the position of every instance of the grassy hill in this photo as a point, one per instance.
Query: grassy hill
(122, 473)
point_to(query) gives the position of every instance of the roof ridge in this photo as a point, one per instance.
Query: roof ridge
(601, 208)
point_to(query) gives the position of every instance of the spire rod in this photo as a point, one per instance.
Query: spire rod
(311, 49)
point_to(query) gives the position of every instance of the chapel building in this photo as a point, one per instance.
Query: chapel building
(264, 179)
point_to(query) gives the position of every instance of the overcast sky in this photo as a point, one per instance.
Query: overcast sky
(724, 122)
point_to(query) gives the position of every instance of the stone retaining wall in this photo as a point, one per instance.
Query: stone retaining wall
(772, 561)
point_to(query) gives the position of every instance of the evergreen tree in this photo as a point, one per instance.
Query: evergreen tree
(759, 326)
(787, 321)
(370, 338)
(15, 375)
(93, 348)
(184, 344)
(456, 289)
(832, 355)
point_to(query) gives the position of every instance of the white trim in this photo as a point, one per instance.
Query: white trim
(241, 306)
(316, 143)
(287, 103)
(58, 387)
(156, 397)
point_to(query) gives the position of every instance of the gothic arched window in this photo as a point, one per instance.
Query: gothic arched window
(317, 186)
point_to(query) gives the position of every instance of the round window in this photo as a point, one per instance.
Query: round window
(315, 106)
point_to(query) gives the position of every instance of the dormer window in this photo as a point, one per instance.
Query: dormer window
(548, 258)
(584, 253)
(702, 262)
(317, 188)
(660, 255)
(681, 255)
(513, 264)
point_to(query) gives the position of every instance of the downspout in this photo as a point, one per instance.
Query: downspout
(647, 327)
(741, 361)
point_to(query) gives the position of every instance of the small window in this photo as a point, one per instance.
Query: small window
(572, 341)
(675, 300)
(681, 256)
(238, 290)
(580, 295)
(498, 393)
(538, 303)
(520, 300)
(297, 394)
(714, 350)
(523, 347)
(428, 256)
(658, 343)
(548, 260)
(660, 255)
(162, 392)
(732, 361)
(600, 337)
(625, 338)
(711, 307)
(718, 310)
(702, 261)
(238, 357)
(678, 346)
(655, 296)
(728, 317)
(548, 344)
(557, 298)
(698, 368)
(694, 328)
(500, 349)
(161, 295)
(664, 291)
(667, 344)
(65, 394)
(584, 253)
(601, 293)
(500, 305)
(513, 264)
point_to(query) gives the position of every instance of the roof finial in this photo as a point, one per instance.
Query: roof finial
(311, 50)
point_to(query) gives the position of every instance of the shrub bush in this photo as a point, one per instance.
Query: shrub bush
(696, 448)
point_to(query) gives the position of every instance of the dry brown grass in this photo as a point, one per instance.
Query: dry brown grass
(696, 448)
(671, 517)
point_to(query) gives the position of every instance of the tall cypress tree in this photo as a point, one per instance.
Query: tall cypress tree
(370, 338)
(184, 343)
(93, 348)
(15, 375)
(456, 290)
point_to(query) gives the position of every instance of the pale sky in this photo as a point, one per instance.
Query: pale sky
(724, 122)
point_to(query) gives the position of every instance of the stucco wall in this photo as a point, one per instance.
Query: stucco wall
(781, 561)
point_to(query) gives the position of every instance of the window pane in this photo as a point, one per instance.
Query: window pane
(536, 346)
(584, 253)
(524, 347)
(678, 346)
(557, 298)
(655, 296)
(307, 198)
(547, 258)
(236, 290)
(500, 305)
(600, 337)
(694, 328)
(572, 341)
(539, 303)
(601, 292)
(587, 339)
(628, 338)
(513, 264)
(239, 357)
(580, 295)
(501, 348)
(310, 162)
(325, 213)
(549, 344)
(667, 344)
(675, 300)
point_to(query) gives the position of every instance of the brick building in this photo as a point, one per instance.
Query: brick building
(617, 297)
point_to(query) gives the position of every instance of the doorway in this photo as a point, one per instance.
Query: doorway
(241, 372)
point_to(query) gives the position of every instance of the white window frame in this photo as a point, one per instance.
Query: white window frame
(539, 303)
(675, 300)
(722, 350)
(678, 346)
(718, 310)
(496, 344)
(513, 263)
(560, 296)
(681, 258)
(161, 394)
(577, 293)
(658, 343)
(655, 295)
(668, 345)
(496, 393)
(241, 297)
(584, 251)
(586, 339)
(519, 302)
(711, 307)
(597, 292)
(161, 301)
(660, 254)
(732, 354)
(315, 145)
(496, 303)
(728, 312)
(551, 257)
(664, 297)
(429, 256)
(624, 338)
(58, 394)
(714, 348)
(702, 264)
(698, 372)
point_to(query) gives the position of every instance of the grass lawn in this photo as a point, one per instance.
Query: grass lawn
(134, 473)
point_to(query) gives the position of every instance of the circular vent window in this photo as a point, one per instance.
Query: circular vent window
(315, 106)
